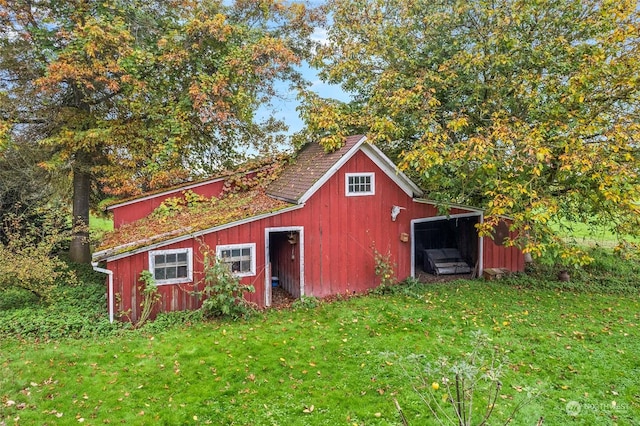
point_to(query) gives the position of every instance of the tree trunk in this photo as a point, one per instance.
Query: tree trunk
(79, 251)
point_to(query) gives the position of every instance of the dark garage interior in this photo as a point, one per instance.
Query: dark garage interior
(446, 246)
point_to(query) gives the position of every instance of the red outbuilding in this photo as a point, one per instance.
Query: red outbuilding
(310, 225)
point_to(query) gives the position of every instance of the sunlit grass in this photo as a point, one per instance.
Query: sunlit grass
(98, 226)
(583, 234)
(100, 223)
(341, 363)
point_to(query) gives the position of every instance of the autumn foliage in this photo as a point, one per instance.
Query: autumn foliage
(132, 96)
(527, 109)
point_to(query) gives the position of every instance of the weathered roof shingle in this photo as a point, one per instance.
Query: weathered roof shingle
(310, 165)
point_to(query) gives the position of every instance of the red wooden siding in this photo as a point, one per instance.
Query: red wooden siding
(130, 212)
(496, 256)
(340, 234)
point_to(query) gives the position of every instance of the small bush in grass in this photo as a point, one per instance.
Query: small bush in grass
(223, 292)
(410, 287)
(384, 270)
(168, 320)
(28, 257)
(150, 296)
(463, 391)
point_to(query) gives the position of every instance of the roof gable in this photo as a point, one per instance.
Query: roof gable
(313, 167)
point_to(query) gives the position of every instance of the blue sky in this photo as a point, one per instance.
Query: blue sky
(286, 108)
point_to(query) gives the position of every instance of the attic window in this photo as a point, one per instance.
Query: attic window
(171, 266)
(241, 258)
(359, 184)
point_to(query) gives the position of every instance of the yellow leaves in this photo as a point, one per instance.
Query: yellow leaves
(214, 26)
(543, 153)
(427, 155)
(332, 142)
(93, 60)
(457, 123)
(274, 53)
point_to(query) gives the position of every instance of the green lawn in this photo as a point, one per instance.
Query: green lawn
(342, 363)
(98, 226)
(99, 223)
(582, 234)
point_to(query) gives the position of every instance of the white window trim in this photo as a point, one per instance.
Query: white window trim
(251, 246)
(187, 279)
(372, 175)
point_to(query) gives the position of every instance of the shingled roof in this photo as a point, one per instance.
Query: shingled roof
(311, 164)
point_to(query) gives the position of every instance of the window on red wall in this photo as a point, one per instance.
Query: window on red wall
(241, 258)
(171, 266)
(358, 184)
